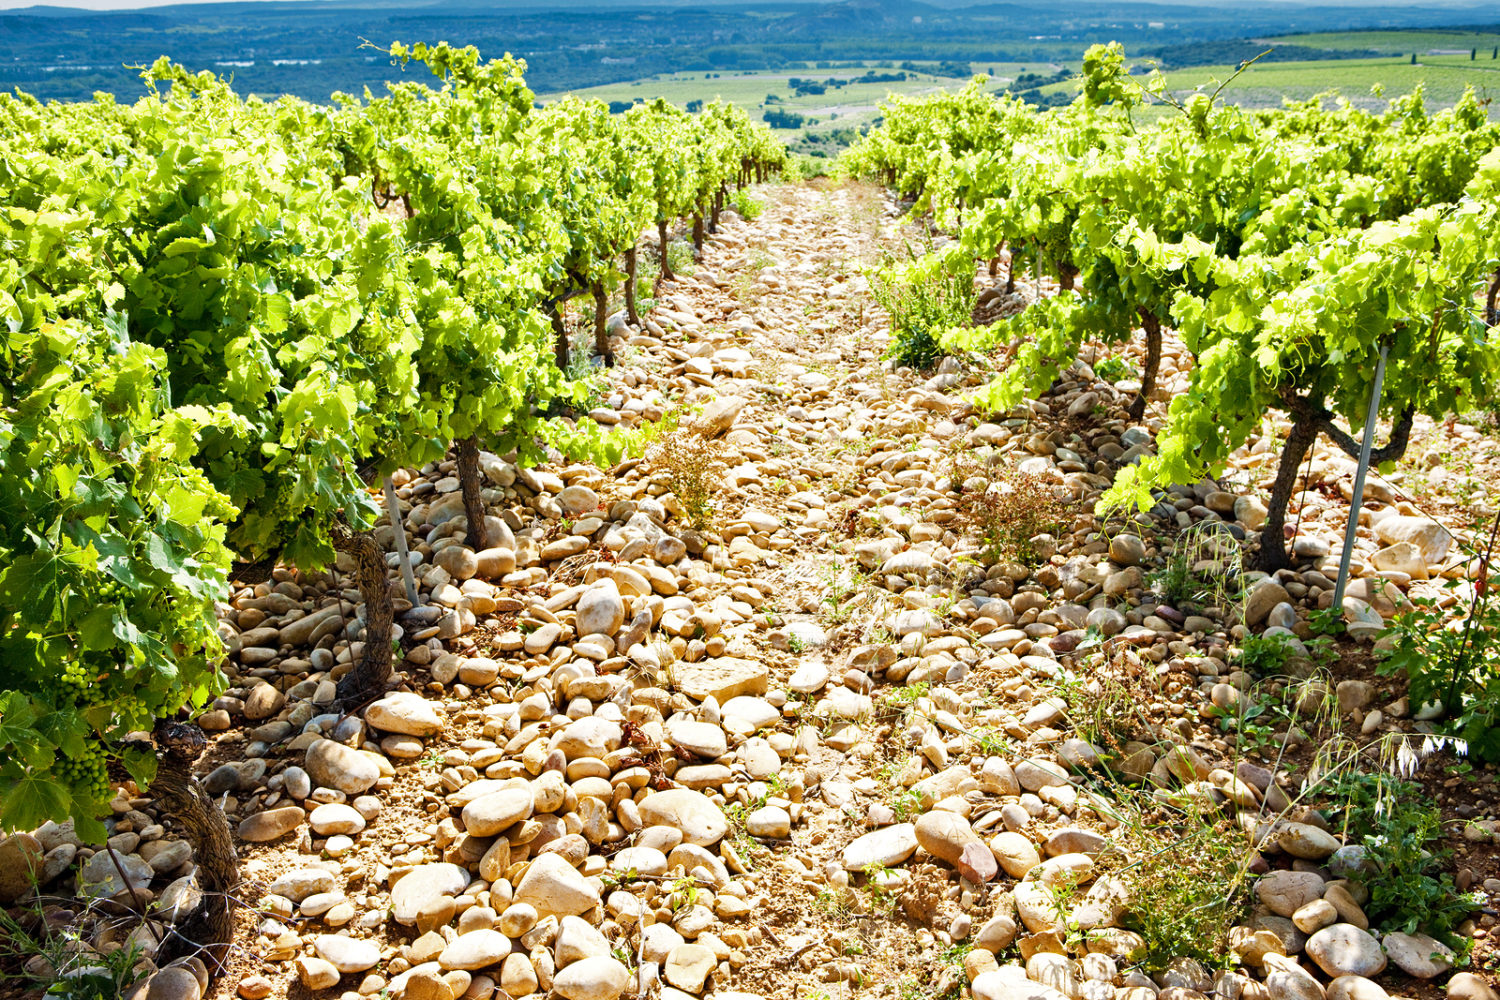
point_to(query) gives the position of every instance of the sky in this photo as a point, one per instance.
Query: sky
(99, 4)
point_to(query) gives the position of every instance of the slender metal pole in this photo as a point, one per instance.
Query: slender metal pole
(398, 526)
(1359, 483)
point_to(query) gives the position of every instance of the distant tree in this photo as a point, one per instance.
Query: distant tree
(694, 106)
(1413, 58)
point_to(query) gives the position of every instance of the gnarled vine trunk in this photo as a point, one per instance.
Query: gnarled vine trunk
(372, 673)
(630, 313)
(1273, 554)
(468, 480)
(1010, 273)
(1309, 419)
(666, 264)
(209, 930)
(601, 327)
(1152, 326)
(697, 234)
(559, 337)
(1491, 308)
(713, 217)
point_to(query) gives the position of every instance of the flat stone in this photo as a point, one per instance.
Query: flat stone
(693, 813)
(478, 949)
(1016, 854)
(1431, 540)
(1418, 955)
(1345, 950)
(20, 864)
(301, 883)
(600, 609)
(1286, 892)
(721, 678)
(884, 848)
(423, 884)
(944, 835)
(405, 713)
(335, 817)
(1468, 986)
(347, 954)
(489, 814)
(101, 877)
(999, 985)
(333, 765)
(266, 826)
(592, 979)
(688, 965)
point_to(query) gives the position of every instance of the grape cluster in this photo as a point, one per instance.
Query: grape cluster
(86, 773)
(75, 679)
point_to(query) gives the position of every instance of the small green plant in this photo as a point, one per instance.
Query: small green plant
(1252, 722)
(1404, 865)
(74, 971)
(906, 804)
(908, 694)
(432, 760)
(680, 256)
(924, 297)
(1113, 369)
(613, 879)
(1327, 621)
(748, 208)
(1265, 654)
(684, 893)
(1203, 569)
(796, 644)
(1455, 664)
(1189, 885)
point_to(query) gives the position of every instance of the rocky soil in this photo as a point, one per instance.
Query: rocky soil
(823, 743)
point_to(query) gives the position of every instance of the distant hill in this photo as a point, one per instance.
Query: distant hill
(313, 48)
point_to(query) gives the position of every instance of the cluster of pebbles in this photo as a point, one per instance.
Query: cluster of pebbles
(621, 745)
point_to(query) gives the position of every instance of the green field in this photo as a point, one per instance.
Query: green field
(849, 106)
(1367, 83)
(1443, 69)
(1402, 43)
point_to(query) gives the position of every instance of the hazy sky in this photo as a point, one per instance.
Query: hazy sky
(100, 4)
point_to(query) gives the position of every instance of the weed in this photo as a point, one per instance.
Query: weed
(680, 256)
(684, 893)
(1253, 723)
(1113, 369)
(432, 760)
(908, 694)
(1403, 867)
(796, 644)
(1455, 664)
(1009, 511)
(1189, 885)
(748, 208)
(69, 968)
(1265, 654)
(839, 585)
(613, 879)
(689, 463)
(925, 297)
(906, 804)
(1204, 569)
